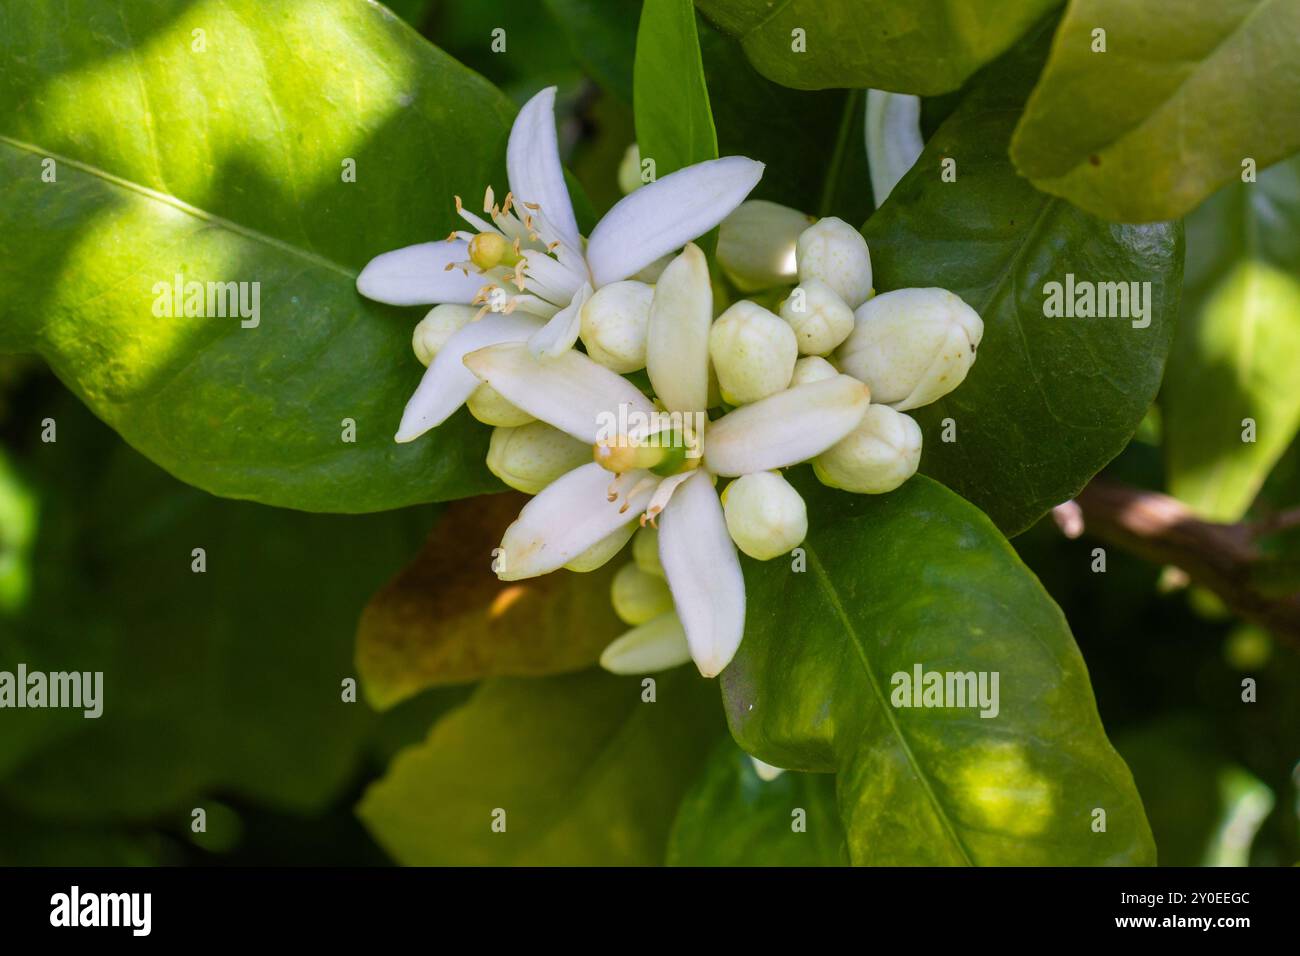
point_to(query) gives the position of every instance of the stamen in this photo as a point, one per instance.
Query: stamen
(487, 199)
(460, 207)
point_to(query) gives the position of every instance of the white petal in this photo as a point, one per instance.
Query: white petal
(570, 391)
(677, 344)
(786, 428)
(666, 214)
(765, 771)
(447, 383)
(655, 646)
(893, 132)
(703, 573)
(418, 275)
(533, 162)
(570, 515)
(559, 334)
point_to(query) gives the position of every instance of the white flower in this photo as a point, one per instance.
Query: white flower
(753, 352)
(819, 317)
(663, 464)
(834, 252)
(529, 258)
(877, 456)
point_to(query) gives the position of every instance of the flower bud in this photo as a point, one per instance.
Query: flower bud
(819, 317)
(812, 368)
(491, 408)
(877, 456)
(765, 515)
(912, 346)
(614, 324)
(639, 597)
(629, 170)
(645, 551)
(433, 331)
(753, 352)
(836, 253)
(530, 457)
(600, 553)
(654, 646)
(756, 244)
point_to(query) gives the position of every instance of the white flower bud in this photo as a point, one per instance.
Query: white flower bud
(433, 331)
(652, 647)
(629, 170)
(753, 352)
(645, 551)
(756, 244)
(765, 515)
(819, 317)
(877, 456)
(600, 553)
(530, 457)
(491, 408)
(912, 346)
(812, 368)
(836, 253)
(614, 324)
(639, 597)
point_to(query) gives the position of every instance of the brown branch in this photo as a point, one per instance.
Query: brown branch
(1219, 557)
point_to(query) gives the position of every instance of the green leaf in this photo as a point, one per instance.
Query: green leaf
(733, 818)
(602, 34)
(1237, 352)
(1182, 95)
(915, 578)
(922, 46)
(585, 772)
(1049, 401)
(674, 124)
(226, 165)
(811, 142)
(229, 680)
(446, 619)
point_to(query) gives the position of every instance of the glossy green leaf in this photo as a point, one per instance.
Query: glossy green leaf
(1182, 95)
(674, 124)
(446, 619)
(1236, 357)
(810, 141)
(919, 578)
(229, 679)
(1050, 400)
(211, 140)
(731, 817)
(579, 770)
(922, 46)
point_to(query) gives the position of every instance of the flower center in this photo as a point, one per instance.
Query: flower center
(663, 453)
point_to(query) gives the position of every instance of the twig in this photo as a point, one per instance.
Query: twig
(1219, 557)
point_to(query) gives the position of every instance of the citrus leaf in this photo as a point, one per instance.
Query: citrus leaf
(215, 141)
(920, 579)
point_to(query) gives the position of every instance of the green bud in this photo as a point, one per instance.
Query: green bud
(433, 331)
(529, 457)
(645, 551)
(835, 252)
(600, 553)
(756, 244)
(876, 457)
(491, 408)
(614, 325)
(765, 515)
(753, 353)
(819, 317)
(639, 597)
